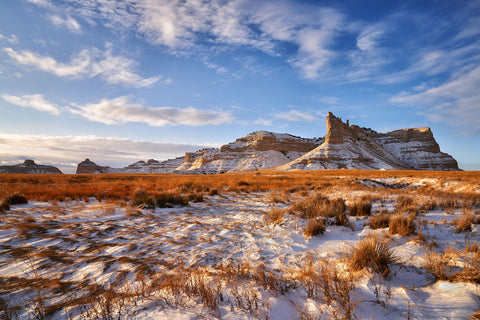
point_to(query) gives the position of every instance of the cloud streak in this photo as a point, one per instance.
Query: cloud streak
(295, 115)
(35, 101)
(86, 64)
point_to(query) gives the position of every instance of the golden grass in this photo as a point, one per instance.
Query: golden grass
(123, 186)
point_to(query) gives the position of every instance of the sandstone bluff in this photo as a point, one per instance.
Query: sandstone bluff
(29, 167)
(345, 146)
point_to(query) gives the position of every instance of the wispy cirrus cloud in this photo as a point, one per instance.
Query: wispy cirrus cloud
(455, 102)
(68, 151)
(295, 115)
(35, 101)
(88, 63)
(67, 22)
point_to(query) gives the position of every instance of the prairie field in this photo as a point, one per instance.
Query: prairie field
(331, 244)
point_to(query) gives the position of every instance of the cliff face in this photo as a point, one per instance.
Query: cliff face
(30, 167)
(258, 150)
(351, 147)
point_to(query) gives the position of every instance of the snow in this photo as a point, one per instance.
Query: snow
(100, 244)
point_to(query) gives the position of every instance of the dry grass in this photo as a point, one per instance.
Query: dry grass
(362, 208)
(372, 253)
(445, 265)
(314, 227)
(402, 225)
(382, 220)
(274, 216)
(464, 224)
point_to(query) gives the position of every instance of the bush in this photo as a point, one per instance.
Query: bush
(164, 200)
(360, 209)
(141, 198)
(402, 225)
(314, 227)
(372, 253)
(15, 198)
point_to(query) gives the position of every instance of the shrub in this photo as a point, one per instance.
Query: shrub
(164, 200)
(314, 227)
(360, 209)
(15, 198)
(213, 192)
(379, 221)
(372, 253)
(402, 225)
(141, 198)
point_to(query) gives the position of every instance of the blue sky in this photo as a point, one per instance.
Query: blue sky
(124, 80)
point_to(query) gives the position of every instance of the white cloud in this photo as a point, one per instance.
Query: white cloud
(12, 39)
(120, 110)
(87, 64)
(67, 151)
(263, 122)
(369, 37)
(295, 115)
(35, 101)
(42, 3)
(454, 102)
(67, 22)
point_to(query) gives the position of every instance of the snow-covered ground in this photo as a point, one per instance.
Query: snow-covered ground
(225, 242)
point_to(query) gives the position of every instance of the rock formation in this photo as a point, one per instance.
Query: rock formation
(89, 167)
(30, 167)
(344, 146)
(351, 147)
(258, 150)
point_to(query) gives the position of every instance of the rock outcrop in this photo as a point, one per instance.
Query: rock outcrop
(90, 167)
(30, 167)
(154, 166)
(352, 147)
(256, 151)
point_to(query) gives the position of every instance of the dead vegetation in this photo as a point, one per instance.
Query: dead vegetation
(311, 203)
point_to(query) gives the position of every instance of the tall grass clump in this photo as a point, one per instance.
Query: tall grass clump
(317, 206)
(274, 216)
(402, 225)
(382, 220)
(314, 227)
(363, 208)
(372, 253)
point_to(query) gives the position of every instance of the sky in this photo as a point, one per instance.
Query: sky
(119, 81)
